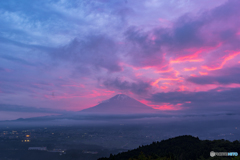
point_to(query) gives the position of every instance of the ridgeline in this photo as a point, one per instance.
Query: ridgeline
(180, 148)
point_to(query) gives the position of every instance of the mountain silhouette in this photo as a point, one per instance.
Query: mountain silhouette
(120, 104)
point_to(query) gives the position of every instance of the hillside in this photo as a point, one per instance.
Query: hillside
(179, 148)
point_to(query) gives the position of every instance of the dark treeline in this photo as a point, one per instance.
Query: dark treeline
(179, 148)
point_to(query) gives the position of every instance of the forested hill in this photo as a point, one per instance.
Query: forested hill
(179, 148)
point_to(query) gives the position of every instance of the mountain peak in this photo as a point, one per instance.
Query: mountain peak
(120, 104)
(120, 97)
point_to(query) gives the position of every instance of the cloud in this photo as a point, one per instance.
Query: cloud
(17, 60)
(18, 108)
(98, 51)
(24, 44)
(224, 76)
(188, 34)
(81, 41)
(216, 99)
(142, 50)
(199, 31)
(139, 87)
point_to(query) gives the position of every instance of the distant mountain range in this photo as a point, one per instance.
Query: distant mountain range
(118, 107)
(120, 104)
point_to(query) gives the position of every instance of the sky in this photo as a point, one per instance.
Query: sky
(176, 55)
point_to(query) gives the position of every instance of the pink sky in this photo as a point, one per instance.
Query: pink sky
(76, 55)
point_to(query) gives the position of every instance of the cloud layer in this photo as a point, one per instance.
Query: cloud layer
(171, 55)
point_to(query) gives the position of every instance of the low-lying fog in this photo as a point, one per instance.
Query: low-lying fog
(218, 126)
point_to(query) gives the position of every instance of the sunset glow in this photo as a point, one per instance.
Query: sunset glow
(73, 55)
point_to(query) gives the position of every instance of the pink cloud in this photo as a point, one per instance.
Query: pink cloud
(167, 106)
(190, 69)
(225, 59)
(203, 73)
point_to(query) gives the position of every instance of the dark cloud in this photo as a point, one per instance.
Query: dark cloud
(214, 80)
(186, 33)
(19, 108)
(148, 44)
(148, 47)
(231, 95)
(134, 87)
(226, 10)
(220, 98)
(98, 51)
(223, 76)
(206, 29)
(143, 50)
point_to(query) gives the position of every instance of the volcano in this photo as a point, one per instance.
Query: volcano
(120, 104)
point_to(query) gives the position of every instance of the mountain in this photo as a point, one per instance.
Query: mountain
(120, 104)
